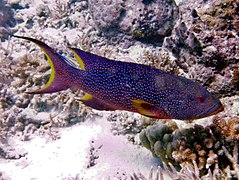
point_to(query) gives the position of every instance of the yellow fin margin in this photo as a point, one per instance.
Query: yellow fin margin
(138, 105)
(86, 97)
(52, 76)
(78, 58)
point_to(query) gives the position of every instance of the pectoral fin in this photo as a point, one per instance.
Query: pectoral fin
(148, 109)
(93, 102)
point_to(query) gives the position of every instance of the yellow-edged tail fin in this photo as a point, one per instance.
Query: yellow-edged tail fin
(59, 78)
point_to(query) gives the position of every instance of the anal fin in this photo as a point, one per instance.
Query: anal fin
(93, 102)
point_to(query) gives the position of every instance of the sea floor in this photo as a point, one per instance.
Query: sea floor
(84, 151)
(53, 136)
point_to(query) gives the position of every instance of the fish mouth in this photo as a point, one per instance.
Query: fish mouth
(211, 111)
(219, 109)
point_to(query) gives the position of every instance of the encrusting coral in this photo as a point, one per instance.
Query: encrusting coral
(207, 35)
(209, 147)
(221, 23)
(161, 59)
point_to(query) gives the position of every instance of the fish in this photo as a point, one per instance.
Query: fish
(116, 85)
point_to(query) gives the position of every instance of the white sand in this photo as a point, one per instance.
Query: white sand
(69, 156)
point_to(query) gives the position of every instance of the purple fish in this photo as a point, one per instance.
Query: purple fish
(115, 85)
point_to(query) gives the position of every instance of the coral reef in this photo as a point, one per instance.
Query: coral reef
(187, 171)
(208, 148)
(183, 40)
(221, 37)
(235, 78)
(200, 42)
(160, 58)
(124, 123)
(22, 113)
(158, 139)
(207, 36)
(149, 20)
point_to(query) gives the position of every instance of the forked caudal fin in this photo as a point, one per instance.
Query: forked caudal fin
(59, 69)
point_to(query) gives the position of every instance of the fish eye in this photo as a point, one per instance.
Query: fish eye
(201, 99)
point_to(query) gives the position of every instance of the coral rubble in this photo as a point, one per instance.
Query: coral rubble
(22, 113)
(124, 123)
(7, 19)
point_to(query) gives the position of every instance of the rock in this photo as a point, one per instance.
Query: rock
(205, 40)
(145, 20)
(6, 19)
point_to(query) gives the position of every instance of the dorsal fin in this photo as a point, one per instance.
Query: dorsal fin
(89, 61)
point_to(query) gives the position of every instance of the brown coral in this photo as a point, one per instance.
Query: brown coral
(209, 147)
(222, 22)
(235, 78)
(227, 129)
(226, 13)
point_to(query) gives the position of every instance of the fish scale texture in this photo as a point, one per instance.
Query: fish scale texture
(112, 85)
(125, 82)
